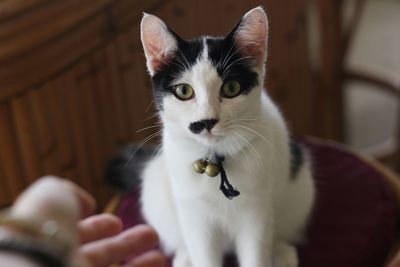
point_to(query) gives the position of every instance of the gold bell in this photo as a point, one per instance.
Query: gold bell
(212, 170)
(200, 166)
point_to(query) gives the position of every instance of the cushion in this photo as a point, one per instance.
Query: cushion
(353, 223)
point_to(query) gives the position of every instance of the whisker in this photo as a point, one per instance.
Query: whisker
(254, 131)
(179, 66)
(186, 65)
(271, 145)
(237, 143)
(228, 55)
(235, 62)
(232, 149)
(233, 53)
(149, 106)
(149, 127)
(185, 59)
(150, 137)
(251, 147)
(151, 117)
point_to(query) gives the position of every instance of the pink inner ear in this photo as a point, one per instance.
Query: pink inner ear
(255, 51)
(152, 48)
(157, 63)
(157, 56)
(252, 34)
(158, 43)
(253, 43)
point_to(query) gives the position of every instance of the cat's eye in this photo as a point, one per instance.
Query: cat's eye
(231, 89)
(183, 91)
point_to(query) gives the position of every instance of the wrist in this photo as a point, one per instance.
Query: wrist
(40, 241)
(15, 259)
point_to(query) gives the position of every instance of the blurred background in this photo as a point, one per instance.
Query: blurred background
(74, 89)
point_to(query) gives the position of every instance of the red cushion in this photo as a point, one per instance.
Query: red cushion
(354, 221)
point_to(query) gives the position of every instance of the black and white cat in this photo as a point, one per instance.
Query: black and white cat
(213, 107)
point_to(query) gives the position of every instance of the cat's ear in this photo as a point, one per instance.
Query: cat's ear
(251, 35)
(159, 43)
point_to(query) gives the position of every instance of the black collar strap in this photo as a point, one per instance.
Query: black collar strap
(227, 189)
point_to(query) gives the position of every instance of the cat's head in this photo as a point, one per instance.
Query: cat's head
(206, 87)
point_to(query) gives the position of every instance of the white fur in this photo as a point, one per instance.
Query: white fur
(192, 216)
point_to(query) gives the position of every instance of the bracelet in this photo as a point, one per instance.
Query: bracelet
(41, 241)
(32, 250)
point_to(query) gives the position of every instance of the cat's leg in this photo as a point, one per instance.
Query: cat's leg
(292, 215)
(203, 241)
(181, 258)
(254, 244)
(285, 255)
(158, 207)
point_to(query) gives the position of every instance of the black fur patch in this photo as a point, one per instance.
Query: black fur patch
(123, 172)
(230, 64)
(297, 158)
(185, 57)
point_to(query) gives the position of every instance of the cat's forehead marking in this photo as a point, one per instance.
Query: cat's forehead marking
(203, 75)
(204, 53)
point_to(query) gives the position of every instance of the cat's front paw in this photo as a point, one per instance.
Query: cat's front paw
(286, 256)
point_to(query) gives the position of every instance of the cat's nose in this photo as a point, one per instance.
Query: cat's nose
(198, 126)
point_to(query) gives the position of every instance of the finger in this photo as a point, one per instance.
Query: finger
(395, 262)
(150, 259)
(86, 201)
(99, 227)
(114, 249)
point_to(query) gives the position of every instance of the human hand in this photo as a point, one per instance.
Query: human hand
(396, 261)
(97, 241)
(103, 243)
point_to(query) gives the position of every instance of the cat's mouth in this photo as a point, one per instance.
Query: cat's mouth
(209, 138)
(212, 137)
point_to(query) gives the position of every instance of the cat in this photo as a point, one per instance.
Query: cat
(214, 111)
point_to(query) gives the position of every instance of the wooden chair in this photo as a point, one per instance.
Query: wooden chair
(337, 35)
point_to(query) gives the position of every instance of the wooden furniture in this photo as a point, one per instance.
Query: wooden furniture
(337, 21)
(384, 81)
(388, 151)
(73, 84)
(70, 80)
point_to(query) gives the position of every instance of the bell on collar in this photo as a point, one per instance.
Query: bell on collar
(200, 166)
(212, 170)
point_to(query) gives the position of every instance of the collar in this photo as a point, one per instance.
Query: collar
(213, 166)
